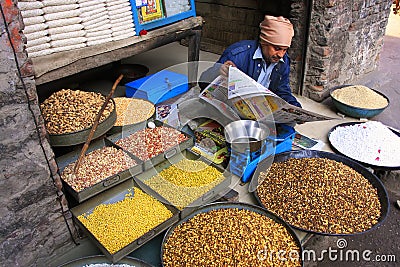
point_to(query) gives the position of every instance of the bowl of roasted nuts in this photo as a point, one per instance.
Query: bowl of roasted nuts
(322, 193)
(358, 101)
(230, 234)
(70, 114)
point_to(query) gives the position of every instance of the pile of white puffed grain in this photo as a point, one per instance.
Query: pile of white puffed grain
(370, 142)
(108, 265)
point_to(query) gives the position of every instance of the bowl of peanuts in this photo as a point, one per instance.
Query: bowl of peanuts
(358, 101)
(321, 192)
(69, 116)
(230, 234)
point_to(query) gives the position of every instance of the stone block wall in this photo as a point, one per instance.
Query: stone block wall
(345, 41)
(32, 225)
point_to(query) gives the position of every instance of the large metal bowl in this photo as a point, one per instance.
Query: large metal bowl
(101, 259)
(357, 112)
(376, 183)
(232, 205)
(80, 137)
(131, 72)
(118, 129)
(369, 165)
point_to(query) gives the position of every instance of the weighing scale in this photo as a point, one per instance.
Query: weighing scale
(243, 162)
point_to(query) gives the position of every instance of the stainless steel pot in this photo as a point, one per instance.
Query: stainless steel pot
(243, 135)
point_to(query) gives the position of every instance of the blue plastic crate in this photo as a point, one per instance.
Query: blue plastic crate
(158, 87)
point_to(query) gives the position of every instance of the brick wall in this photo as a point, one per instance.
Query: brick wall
(229, 21)
(32, 228)
(344, 43)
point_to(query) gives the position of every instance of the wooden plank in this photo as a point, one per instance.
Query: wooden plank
(59, 65)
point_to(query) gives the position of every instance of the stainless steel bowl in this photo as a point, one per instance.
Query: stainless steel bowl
(246, 134)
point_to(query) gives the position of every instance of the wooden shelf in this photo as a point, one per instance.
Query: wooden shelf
(59, 65)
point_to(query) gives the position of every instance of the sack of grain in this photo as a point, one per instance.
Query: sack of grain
(60, 8)
(68, 47)
(63, 22)
(58, 2)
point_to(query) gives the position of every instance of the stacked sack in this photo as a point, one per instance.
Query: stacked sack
(64, 24)
(38, 41)
(95, 21)
(120, 14)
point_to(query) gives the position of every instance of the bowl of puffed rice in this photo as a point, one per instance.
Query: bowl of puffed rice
(358, 101)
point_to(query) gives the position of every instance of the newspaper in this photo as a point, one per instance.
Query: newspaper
(252, 101)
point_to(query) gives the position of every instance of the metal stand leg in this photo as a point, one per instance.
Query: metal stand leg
(193, 56)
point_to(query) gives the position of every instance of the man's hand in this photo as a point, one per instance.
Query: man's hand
(224, 70)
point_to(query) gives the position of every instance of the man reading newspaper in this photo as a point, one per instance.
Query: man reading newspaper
(265, 60)
(250, 100)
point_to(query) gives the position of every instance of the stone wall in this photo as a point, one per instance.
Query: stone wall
(32, 226)
(344, 43)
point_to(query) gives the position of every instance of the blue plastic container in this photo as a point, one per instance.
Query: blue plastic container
(158, 87)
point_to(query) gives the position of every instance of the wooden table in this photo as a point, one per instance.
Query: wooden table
(59, 65)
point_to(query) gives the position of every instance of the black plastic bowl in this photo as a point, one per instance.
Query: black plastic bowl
(353, 111)
(131, 72)
(232, 205)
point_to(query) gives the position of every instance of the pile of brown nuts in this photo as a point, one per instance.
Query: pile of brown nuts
(320, 195)
(118, 224)
(68, 111)
(148, 143)
(230, 237)
(185, 181)
(97, 166)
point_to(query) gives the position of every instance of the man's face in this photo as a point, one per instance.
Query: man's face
(273, 53)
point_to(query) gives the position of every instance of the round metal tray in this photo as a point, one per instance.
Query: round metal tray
(139, 125)
(232, 205)
(375, 167)
(382, 194)
(102, 259)
(80, 137)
